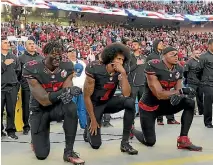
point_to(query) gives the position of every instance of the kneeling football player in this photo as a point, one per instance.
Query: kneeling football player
(159, 99)
(50, 82)
(101, 82)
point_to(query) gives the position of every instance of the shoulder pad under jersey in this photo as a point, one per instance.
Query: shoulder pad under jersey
(30, 69)
(67, 67)
(92, 68)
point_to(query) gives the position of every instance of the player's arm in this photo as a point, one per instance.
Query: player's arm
(89, 85)
(68, 81)
(39, 92)
(157, 89)
(154, 84)
(124, 84)
(179, 85)
(69, 67)
(201, 65)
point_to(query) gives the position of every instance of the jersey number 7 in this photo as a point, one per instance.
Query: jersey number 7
(108, 87)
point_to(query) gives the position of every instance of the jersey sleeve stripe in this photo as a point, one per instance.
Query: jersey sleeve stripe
(150, 73)
(90, 75)
(28, 76)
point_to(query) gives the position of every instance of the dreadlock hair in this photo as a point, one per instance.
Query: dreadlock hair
(111, 51)
(52, 47)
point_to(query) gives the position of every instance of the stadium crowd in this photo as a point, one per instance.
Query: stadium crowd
(175, 7)
(90, 40)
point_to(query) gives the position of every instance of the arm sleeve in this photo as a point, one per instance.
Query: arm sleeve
(69, 67)
(149, 69)
(201, 64)
(3, 67)
(28, 72)
(90, 71)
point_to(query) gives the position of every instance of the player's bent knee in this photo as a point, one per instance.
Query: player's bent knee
(42, 154)
(190, 104)
(129, 103)
(41, 158)
(95, 147)
(95, 144)
(150, 142)
(71, 110)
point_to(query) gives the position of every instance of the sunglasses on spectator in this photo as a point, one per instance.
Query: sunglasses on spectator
(70, 51)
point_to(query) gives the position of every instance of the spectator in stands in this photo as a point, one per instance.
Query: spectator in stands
(78, 80)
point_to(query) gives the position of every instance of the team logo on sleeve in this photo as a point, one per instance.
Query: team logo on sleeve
(177, 75)
(64, 73)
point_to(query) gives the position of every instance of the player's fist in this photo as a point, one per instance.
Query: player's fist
(9, 61)
(119, 68)
(188, 91)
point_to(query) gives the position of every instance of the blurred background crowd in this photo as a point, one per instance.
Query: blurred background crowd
(177, 7)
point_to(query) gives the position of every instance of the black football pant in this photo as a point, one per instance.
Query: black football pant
(208, 100)
(114, 105)
(40, 127)
(106, 118)
(25, 94)
(169, 118)
(199, 97)
(147, 119)
(136, 92)
(9, 99)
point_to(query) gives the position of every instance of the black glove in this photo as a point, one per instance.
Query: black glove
(68, 93)
(75, 91)
(188, 91)
(175, 99)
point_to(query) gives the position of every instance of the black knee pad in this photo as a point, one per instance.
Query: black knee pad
(150, 142)
(129, 103)
(189, 104)
(41, 154)
(95, 147)
(41, 158)
(71, 110)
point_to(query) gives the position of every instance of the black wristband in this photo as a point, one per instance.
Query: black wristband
(54, 96)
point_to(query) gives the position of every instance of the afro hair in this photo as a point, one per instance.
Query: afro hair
(111, 51)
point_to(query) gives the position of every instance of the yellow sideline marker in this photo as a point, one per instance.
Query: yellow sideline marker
(180, 161)
(18, 114)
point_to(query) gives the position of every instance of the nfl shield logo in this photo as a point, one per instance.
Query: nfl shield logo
(63, 73)
(177, 75)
